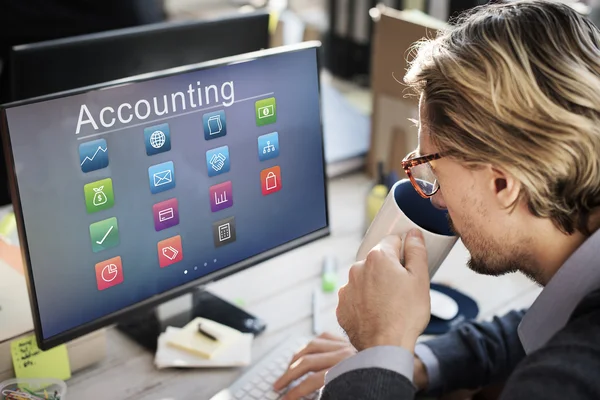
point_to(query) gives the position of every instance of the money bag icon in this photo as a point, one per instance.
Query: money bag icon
(99, 196)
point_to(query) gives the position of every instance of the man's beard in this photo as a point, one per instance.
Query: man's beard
(485, 260)
(451, 225)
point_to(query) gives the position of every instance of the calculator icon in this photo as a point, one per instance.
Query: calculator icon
(224, 231)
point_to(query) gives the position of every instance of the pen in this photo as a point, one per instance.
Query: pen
(205, 332)
(315, 312)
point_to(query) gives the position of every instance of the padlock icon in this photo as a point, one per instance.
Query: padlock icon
(271, 181)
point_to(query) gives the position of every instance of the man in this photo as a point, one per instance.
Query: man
(509, 139)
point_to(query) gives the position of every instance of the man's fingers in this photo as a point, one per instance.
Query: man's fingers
(319, 345)
(415, 254)
(311, 384)
(331, 336)
(304, 365)
(341, 311)
(390, 245)
(310, 363)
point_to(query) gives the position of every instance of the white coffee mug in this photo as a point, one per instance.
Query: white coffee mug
(403, 210)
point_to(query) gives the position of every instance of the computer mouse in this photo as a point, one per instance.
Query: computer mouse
(442, 305)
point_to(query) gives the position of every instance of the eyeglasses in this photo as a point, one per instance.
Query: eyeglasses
(421, 174)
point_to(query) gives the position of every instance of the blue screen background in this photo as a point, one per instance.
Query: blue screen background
(50, 180)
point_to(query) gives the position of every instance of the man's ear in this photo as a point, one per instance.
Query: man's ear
(504, 186)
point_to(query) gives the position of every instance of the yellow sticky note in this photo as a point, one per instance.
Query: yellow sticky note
(188, 338)
(8, 224)
(31, 362)
(273, 21)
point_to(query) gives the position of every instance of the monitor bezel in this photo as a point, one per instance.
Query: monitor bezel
(19, 53)
(151, 302)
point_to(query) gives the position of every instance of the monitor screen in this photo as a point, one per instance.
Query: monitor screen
(131, 192)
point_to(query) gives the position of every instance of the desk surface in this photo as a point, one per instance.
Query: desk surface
(279, 291)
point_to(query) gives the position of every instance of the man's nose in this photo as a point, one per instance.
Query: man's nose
(438, 201)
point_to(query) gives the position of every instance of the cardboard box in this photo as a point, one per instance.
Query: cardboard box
(392, 134)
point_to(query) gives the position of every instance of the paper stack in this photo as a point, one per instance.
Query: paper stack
(187, 348)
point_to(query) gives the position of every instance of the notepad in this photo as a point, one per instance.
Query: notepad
(188, 338)
(238, 354)
(31, 362)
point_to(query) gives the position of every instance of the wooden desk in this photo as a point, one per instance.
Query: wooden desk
(279, 291)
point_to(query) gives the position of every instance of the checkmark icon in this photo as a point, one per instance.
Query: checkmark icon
(104, 234)
(107, 233)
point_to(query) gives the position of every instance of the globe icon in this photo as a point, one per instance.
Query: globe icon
(157, 139)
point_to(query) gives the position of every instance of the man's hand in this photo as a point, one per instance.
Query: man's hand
(385, 303)
(420, 377)
(321, 354)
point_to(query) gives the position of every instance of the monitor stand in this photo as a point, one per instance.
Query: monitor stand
(145, 327)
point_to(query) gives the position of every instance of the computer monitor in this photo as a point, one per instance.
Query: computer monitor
(63, 64)
(133, 192)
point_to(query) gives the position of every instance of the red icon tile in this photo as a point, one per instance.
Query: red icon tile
(169, 251)
(270, 180)
(109, 273)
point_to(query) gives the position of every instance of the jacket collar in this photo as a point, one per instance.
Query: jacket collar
(576, 278)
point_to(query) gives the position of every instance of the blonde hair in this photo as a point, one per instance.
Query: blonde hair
(517, 85)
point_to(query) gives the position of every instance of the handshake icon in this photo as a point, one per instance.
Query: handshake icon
(217, 161)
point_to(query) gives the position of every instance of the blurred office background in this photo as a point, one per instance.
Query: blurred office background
(358, 104)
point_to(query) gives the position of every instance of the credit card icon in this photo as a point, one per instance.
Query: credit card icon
(166, 215)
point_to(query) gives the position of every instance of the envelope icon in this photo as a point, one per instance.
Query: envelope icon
(163, 177)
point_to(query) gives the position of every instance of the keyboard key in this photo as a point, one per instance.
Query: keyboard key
(247, 387)
(264, 373)
(271, 367)
(257, 394)
(271, 379)
(240, 394)
(272, 396)
(256, 380)
(264, 386)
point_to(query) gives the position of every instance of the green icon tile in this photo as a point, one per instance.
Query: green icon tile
(266, 111)
(104, 234)
(99, 195)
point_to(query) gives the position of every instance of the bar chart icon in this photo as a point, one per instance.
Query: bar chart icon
(221, 196)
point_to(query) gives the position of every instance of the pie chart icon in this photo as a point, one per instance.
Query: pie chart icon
(110, 272)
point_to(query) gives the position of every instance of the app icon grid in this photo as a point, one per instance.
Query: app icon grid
(99, 195)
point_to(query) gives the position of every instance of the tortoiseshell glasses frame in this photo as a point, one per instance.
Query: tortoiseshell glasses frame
(410, 161)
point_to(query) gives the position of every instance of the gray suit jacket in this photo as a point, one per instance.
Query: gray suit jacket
(477, 354)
